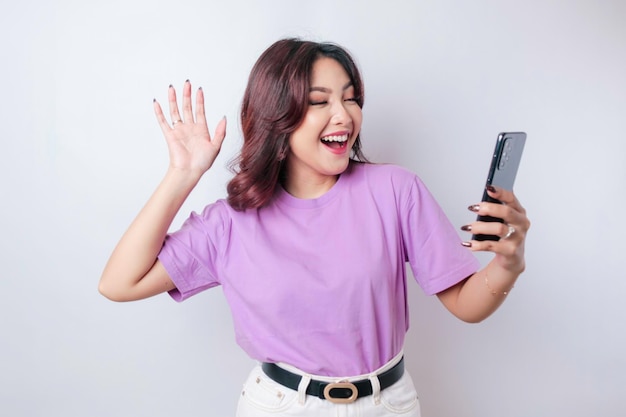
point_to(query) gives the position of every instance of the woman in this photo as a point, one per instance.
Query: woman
(311, 244)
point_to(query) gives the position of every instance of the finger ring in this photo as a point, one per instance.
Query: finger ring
(510, 232)
(176, 121)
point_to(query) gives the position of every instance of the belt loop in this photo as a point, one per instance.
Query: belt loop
(375, 388)
(302, 386)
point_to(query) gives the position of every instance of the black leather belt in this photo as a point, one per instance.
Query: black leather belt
(337, 392)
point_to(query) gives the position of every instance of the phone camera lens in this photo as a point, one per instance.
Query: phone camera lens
(504, 157)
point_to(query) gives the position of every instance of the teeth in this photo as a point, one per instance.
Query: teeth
(341, 138)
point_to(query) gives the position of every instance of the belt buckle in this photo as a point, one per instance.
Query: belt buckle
(342, 385)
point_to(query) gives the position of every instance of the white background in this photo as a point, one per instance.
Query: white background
(81, 152)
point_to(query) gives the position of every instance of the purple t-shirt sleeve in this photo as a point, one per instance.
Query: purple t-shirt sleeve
(433, 247)
(191, 255)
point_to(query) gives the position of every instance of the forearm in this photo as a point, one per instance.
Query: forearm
(137, 250)
(476, 298)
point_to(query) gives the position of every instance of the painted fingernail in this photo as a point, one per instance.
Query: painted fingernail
(474, 208)
(467, 244)
(154, 100)
(187, 80)
(200, 88)
(466, 228)
(491, 188)
(171, 86)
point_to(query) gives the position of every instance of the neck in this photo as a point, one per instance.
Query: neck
(306, 187)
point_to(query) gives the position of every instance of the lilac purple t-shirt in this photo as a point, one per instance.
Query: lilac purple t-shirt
(320, 284)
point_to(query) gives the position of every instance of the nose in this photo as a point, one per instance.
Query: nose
(340, 114)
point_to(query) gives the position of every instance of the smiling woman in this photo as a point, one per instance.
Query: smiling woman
(280, 94)
(312, 243)
(319, 149)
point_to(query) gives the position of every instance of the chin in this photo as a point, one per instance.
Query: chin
(339, 167)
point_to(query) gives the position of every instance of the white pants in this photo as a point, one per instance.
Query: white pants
(263, 397)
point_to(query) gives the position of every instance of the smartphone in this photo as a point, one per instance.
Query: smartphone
(504, 164)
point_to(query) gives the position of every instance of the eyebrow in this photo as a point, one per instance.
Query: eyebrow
(328, 90)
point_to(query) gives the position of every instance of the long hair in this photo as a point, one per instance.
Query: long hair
(274, 104)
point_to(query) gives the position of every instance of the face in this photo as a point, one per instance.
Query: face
(320, 147)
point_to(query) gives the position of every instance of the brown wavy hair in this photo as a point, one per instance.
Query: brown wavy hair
(274, 104)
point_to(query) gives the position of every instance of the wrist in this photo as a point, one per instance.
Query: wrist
(513, 265)
(502, 277)
(184, 177)
(503, 287)
(177, 184)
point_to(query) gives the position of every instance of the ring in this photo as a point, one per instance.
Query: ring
(510, 232)
(176, 121)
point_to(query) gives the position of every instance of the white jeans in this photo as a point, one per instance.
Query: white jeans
(263, 397)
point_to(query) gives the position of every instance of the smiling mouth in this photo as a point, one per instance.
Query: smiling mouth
(335, 142)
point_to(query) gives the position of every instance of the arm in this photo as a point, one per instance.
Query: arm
(133, 271)
(478, 296)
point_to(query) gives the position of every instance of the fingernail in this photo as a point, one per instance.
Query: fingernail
(474, 208)
(466, 228)
(467, 244)
(154, 100)
(171, 86)
(491, 188)
(187, 80)
(200, 88)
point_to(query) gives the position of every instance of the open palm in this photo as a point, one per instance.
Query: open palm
(190, 145)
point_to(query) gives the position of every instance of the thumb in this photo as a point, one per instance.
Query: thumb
(220, 132)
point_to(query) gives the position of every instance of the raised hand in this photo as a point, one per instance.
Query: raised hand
(191, 147)
(133, 271)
